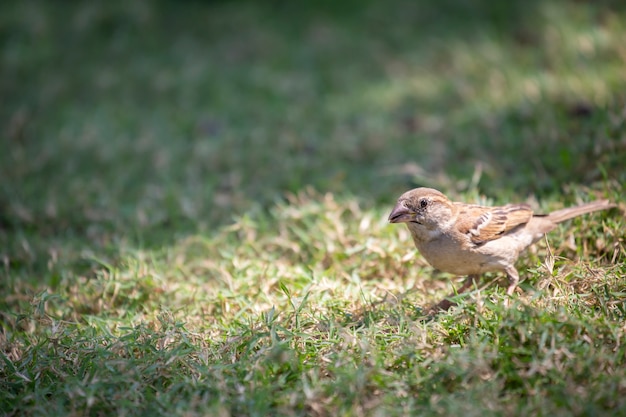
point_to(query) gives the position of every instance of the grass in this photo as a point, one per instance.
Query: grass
(193, 203)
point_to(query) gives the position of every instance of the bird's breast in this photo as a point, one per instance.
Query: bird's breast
(447, 254)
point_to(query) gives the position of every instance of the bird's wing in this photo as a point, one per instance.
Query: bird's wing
(482, 224)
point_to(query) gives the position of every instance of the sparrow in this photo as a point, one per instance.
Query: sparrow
(468, 239)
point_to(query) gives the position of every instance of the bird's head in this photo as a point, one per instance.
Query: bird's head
(422, 206)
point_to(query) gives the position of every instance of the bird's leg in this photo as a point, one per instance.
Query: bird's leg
(513, 277)
(469, 281)
(445, 304)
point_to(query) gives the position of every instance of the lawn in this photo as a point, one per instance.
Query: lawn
(194, 200)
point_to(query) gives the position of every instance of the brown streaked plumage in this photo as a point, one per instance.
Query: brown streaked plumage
(467, 239)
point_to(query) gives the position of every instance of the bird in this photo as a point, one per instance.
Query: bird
(470, 240)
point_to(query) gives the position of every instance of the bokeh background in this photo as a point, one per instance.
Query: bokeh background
(125, 120)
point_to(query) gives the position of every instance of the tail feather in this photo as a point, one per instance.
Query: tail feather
(570, 212)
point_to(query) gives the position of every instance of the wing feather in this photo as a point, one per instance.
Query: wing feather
(482, 224)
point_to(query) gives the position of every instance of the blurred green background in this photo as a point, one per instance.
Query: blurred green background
(142, 121)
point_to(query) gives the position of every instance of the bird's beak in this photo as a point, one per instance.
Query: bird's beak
(401, 214)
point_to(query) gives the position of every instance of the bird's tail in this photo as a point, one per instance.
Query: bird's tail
(570, 212)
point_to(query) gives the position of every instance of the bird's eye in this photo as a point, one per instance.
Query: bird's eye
(423, 203)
